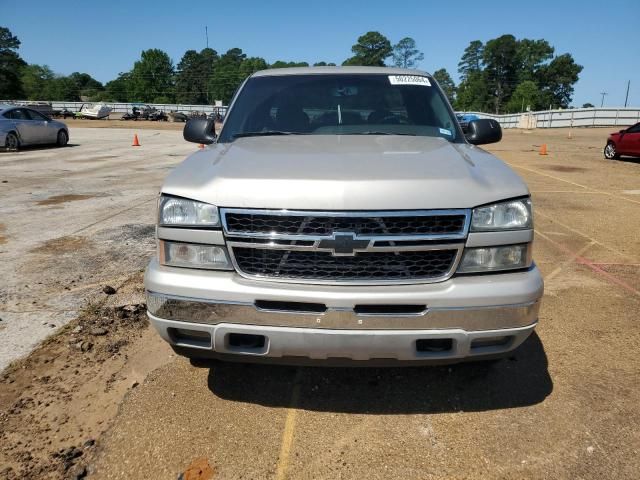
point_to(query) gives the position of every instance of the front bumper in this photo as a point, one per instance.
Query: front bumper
(473, 315)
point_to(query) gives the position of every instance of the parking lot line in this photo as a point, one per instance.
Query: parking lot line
(289, 428)
(563, 265)
(593, 266)
(584, 235)
(575, 184)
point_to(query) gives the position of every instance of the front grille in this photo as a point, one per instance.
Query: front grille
(345, 247)
(323, 225)
(317, 265)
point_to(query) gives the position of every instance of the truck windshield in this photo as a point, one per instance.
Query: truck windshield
(340, 104)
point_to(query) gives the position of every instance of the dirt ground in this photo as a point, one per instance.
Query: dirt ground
(104, 398)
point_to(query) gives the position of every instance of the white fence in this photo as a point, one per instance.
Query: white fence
(575, 117)
(126, 107)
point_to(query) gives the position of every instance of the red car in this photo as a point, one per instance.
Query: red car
(624, 142)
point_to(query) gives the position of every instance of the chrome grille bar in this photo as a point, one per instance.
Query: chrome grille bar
(303, 238)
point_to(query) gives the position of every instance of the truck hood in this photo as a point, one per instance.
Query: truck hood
(347, 172)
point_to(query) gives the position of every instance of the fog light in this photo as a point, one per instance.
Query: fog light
(506, 257)
(176, 254)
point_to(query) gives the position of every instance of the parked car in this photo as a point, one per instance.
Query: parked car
(21, 126)
(43, 107)
(464, 119)
(624, 142)
(341, 215)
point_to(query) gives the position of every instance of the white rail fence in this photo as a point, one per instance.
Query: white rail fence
(575, 117)
(126, 107)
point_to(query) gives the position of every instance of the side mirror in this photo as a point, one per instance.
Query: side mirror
(199, 130)
(483, 131)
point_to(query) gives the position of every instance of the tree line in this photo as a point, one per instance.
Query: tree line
(502, 75)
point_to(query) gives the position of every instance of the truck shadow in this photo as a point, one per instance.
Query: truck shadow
(520, 380)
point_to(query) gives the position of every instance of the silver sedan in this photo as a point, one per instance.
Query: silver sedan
(21, 126)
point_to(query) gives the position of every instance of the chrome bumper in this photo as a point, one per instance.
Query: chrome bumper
(211, 312)
(201, 311)
(291, 344)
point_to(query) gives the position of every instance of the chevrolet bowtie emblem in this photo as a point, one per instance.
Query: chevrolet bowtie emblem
(343, 243)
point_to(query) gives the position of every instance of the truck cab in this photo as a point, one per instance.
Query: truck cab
(341, 216)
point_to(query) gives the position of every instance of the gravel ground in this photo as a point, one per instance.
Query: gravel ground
(563, 406)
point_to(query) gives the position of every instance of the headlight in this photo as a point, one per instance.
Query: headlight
(487, 259)
(511, 215)
(187, 213)
(210, 257)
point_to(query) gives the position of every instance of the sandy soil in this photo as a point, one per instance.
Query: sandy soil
(563, 406)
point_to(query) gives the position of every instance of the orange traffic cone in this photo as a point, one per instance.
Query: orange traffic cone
(543, 149)
(201, 145)
(135, 143)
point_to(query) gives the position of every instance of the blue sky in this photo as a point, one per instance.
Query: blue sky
(103, 38)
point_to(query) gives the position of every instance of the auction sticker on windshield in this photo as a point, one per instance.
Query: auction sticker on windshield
(409, 80)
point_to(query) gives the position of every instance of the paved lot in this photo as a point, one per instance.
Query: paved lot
(73, 220)
(564, 406)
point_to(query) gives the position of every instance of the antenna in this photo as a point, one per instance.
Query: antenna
(206, 34)
(602, 102)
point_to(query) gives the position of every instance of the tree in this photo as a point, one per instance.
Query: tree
(526, 94)
(446, 83)
(227, 76)
(405, 54)
(472, 93)
(588, 105)
(10, 66)
(283, 64)
(501, 68)
(85, 86)
(557, 80)
(193, 74)
(371, 50)
(119, 89)
(152, 77)
(36, 82)
(471, 60)
(63, 88)
(531, 55)
(254, 64)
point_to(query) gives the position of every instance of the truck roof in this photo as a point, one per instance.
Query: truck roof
(337, 70)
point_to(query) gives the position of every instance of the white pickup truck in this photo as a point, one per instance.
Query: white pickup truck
(342, 216)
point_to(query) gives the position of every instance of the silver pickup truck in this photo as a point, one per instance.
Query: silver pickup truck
(342, 216)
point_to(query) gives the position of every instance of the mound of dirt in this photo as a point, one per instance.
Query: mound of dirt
(55, 404)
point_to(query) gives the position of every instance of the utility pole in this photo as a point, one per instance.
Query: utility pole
(206, 33)
(626, 98)
(602, 102)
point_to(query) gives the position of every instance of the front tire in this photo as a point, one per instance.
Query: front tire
(12, 142)
(62, 139)
(610, 152)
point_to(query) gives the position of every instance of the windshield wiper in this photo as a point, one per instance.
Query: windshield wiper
(380, 133)
(265, 133)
